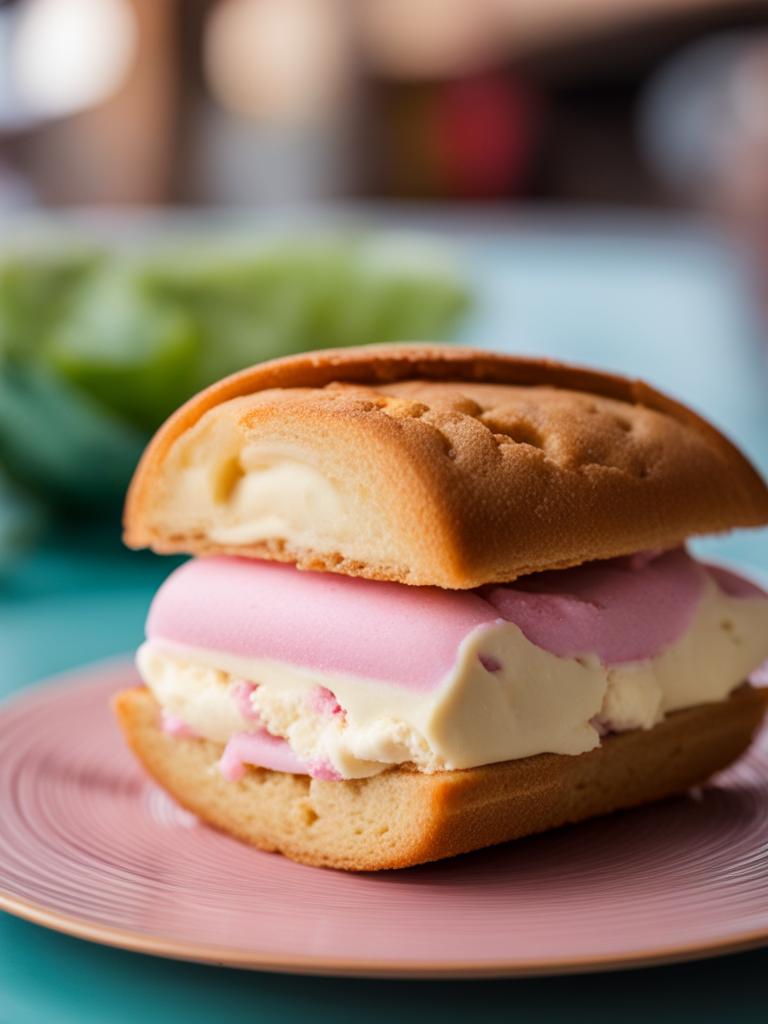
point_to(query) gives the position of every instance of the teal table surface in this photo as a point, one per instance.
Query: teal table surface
(669, 305)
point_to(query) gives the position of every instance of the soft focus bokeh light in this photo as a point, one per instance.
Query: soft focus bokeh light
(70, 54)
(429, 38)
(276, 59)
(539, 21)
(704, 126)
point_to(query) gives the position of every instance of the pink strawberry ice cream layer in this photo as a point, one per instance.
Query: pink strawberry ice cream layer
(241, 695)
(261, 748)
(266, 751)
(626, 609)
(258, 748)
(173, 726)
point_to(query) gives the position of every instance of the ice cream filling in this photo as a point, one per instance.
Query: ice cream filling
(348, 676)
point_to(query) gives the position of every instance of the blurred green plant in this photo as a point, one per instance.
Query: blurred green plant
(96, 348)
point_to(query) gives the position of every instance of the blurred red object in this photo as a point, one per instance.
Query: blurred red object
(468, 138)
(484, 128)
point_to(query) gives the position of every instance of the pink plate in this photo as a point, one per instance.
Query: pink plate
(90, 847)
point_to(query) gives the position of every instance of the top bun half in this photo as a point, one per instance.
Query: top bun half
(433, 465)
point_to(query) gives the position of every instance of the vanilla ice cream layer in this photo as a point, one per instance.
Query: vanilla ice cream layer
(448, 680)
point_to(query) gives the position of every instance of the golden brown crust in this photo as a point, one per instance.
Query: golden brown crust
(402, 817)
(477, 467)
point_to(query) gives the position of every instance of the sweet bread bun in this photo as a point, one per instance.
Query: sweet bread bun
(402, 818)
(433, 465)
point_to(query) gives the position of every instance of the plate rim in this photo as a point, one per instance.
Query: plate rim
(223, 956)
(94, 673)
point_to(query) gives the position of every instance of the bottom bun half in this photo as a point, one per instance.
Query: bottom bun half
(403, 817)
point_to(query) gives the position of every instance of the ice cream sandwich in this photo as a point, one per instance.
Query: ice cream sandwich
(439, 599)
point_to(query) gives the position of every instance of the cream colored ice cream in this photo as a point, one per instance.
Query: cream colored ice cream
(356, 676)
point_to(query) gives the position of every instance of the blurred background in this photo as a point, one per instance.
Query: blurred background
(189, 187)
(659, 103)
